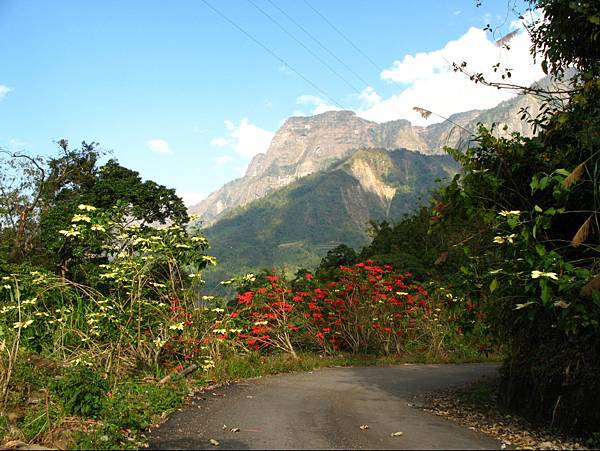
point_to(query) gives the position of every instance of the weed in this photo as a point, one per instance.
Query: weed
(81, 391)
(133, 405)
(39, 420)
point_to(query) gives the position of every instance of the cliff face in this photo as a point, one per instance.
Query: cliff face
(305, 145)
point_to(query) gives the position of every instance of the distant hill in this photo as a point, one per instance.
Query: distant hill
(294, 226)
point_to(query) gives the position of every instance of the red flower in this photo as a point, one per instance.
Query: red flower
(272, 278)
(246, 298)
(234, 314)
(309, 276)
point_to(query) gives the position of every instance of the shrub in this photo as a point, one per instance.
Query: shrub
(81, 391)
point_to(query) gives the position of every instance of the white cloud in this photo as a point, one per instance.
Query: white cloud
(369, 97)
(220, 142)
(191, 198)
(428, 81)
(4, 90)
(159, 146)
(246, 138)
(223, 159)
(318, 104)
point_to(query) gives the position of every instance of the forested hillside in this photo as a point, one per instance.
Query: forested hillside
(295, 226)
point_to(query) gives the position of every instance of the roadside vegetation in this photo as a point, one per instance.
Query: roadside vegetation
(103, 310)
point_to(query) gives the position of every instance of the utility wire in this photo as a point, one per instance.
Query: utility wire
(272, 53)
(325, 63)
(310, 35)
(344, 36)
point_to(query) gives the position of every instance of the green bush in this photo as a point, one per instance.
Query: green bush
(132, 405)
(81, 391)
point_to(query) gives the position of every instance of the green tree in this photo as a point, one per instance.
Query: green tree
(336, 257)
(532, 207)
(39, 196)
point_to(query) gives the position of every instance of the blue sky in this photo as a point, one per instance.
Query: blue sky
(184, 97)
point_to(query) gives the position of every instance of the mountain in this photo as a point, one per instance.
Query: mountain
(305, 145)
(294, 226)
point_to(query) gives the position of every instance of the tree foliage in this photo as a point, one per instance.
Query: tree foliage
(520, 227)
(39, 196)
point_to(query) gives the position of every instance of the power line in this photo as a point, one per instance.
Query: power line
(310, 35)
(304, 46)
(345, 37)
(272, 53)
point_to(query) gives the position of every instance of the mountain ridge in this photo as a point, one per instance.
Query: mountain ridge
(305, 145)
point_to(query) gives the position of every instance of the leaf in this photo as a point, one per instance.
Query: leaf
(540, 249)
(396, 434)
(235, 429)
(546, 294)
(591, 286)
(213, 442)
(574, 176)
(364, 427)
(583, 232)
(494, 285)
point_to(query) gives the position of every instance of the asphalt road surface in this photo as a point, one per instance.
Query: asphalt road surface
(325, 409)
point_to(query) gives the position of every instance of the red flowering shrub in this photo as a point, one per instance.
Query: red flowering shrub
(266, 317)
(369, 308)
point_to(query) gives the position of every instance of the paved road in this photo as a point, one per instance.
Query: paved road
(324, 410)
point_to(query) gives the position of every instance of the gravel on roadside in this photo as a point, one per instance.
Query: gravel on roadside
(474, 406)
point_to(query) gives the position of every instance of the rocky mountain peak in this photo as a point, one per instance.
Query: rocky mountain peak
(305, 145)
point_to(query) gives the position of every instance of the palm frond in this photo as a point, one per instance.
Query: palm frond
(591, 286)
(574, 176)
(423, 112)
(441, 259)
(583, 232)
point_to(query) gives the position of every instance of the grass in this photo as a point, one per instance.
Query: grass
(238, 367)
